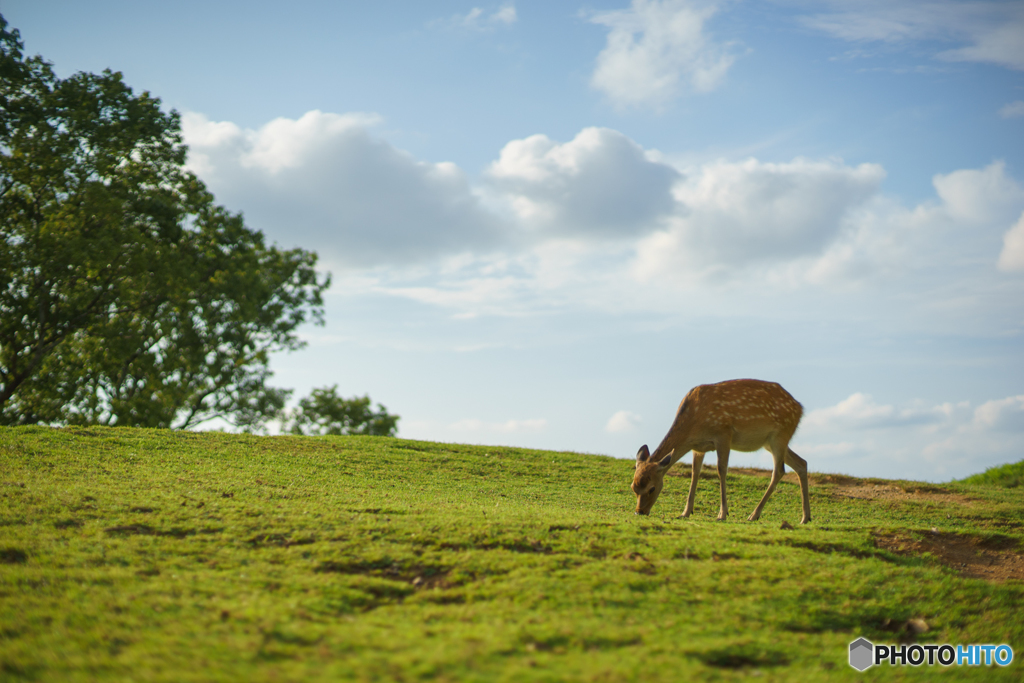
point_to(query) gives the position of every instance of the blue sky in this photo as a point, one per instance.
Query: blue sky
(547, 221)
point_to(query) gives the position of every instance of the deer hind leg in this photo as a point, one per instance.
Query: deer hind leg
(799, 466)
(778, 451)
(723, 467)
(698, 463)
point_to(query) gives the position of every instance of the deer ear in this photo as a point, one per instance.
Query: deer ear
(643, 454)
(665, 462)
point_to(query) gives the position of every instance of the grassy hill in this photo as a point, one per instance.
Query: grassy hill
(1008, 476)
(175, 556)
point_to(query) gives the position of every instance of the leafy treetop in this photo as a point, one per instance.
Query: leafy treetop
(325, 412)
(127, 296)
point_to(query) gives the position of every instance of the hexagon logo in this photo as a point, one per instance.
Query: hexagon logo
(861, 654)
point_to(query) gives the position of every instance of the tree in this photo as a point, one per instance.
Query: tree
(325, 412)
(127, 296)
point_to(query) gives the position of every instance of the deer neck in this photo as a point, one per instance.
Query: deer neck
(681, 438)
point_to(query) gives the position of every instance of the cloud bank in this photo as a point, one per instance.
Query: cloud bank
(858, 434)
(597, 216)
(733, 214)
(326, 180)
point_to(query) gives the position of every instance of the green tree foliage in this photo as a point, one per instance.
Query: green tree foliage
(127, 296)
(325, 412)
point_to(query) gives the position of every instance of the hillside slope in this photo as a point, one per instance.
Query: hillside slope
(176, 556)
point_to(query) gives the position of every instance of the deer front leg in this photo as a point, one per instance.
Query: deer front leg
(698, 463)
(723, 467)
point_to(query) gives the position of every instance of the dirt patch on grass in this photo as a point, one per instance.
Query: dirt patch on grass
(891, 491)
(994, 558)
(710, 471)
(844, 486)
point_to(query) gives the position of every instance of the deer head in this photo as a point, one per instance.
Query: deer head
(648, 479)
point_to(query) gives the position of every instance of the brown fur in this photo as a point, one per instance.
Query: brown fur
(740, 414)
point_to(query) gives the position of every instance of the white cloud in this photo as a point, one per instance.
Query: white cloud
(825, 223)
(599, 184)
(285, 144)
(922, 441)
(507, 427)
(1004, 414)
(656, 49)
(1012, 255)
(992, 31)
(506, 14)
(1013, 110)
(857, 408)
(470, 19)
(861, 412)
(326, 182)
(594, 222)
(986, 199)
(738, 213)
(888, 20)
(496, 294)
(984, 195)
(805, 227)
(622, 422)
(479, 19)
(994, 43)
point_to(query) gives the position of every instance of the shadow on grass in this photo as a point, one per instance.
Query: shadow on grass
(742, 656)
(860, 552)
(876, 623)
(147, 530)
(13, 556)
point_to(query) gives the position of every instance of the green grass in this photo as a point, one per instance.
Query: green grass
(1008, 476)
(139, 555)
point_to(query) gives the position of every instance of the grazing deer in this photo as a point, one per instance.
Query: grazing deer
(742, 415)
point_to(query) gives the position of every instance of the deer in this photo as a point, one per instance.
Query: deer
(739, 414)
